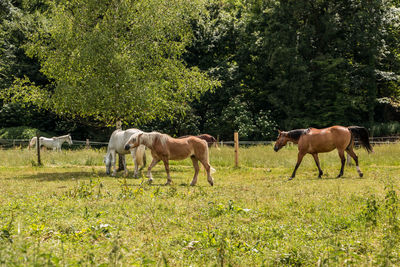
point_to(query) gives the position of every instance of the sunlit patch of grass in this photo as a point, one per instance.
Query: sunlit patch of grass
(68, 212)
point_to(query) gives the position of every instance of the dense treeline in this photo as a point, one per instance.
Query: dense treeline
(287, 64)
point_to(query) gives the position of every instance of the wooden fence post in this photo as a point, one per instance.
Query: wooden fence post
(87, 144)
(38, 147)
(236, 139)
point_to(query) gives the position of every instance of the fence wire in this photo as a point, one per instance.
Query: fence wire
(14, 143)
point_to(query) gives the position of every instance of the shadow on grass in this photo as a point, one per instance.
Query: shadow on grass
(159, 175)
(59, 176)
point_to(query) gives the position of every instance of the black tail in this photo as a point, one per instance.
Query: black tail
(362, 134)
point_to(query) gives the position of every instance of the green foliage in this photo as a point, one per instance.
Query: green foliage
(155, 64)
(20, 132)
(310, 63)
(119, 60)
(238, 117)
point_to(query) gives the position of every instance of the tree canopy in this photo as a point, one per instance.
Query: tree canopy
(118, 59)
(270, 63)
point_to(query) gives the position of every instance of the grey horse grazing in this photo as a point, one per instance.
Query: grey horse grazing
(116, 144)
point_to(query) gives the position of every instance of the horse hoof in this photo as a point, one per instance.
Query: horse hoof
(361, 174)
(340, 175)
(168, 183)
(211, 183)
(150, 181)
(291, 178)
(192, 184)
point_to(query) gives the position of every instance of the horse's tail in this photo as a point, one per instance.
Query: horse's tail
(212, 170)
(32, 142)
(362, 134)
(141, 155)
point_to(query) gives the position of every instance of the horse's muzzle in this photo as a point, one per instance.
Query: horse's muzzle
(127, 147)
(276, 148)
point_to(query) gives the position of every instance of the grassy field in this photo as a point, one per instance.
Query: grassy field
(68, 212)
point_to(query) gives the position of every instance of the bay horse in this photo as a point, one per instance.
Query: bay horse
(54, 143)
(164, 147)
(211, 141)
(314, 141)
(116, 145)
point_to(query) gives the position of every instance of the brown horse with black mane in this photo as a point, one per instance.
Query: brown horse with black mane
(314, 141)
(211, 141)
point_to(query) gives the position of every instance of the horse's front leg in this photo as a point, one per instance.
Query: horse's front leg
(133, 153)
(166, 165)
(299, 159)
(152, 164)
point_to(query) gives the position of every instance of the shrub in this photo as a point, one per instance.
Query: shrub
(20, 132)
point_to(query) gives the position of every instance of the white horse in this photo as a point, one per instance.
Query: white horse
(116, 144)
(54, 143)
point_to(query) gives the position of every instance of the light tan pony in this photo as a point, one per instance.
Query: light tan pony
(313, 141)
(164, 147)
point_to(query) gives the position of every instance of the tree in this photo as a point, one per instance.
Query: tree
(118, 59)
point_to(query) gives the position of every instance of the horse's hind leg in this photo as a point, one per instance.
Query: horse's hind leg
(144, 162)
(121, 158)
(207, 167)
(315, 155)
(354, 156)
(196, 170)
(343, 161)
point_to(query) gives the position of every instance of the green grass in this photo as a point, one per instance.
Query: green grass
(68, 212)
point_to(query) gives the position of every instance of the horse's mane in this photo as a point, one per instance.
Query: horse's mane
(151, 137)
(62, 136)
(295, 134)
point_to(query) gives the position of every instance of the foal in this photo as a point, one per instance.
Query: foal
(314, 141)
(164, 147)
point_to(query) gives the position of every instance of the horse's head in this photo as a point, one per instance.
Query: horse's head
(69, 140)
(107, 161)
(281, 141)
(134, 141)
